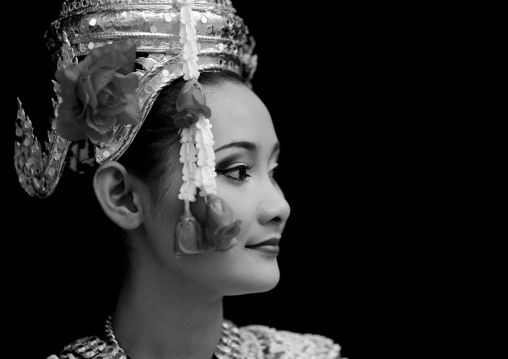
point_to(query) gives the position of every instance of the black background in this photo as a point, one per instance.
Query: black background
(344, 168)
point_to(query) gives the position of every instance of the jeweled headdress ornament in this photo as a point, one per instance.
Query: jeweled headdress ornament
(102, 99)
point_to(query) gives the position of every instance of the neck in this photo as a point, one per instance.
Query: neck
(162, 319)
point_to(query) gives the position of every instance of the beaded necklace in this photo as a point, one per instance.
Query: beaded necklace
(229, 346)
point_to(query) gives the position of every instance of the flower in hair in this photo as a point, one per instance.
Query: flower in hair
(98, 93)
(189, 104)
(220, 228)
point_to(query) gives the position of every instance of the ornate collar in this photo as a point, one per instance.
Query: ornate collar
(229, 346)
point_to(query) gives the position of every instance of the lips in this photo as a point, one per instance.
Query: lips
(269, 242)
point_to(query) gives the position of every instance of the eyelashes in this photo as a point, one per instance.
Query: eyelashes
(238, 173)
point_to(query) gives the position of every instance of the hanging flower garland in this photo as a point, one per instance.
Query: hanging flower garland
(197, 156)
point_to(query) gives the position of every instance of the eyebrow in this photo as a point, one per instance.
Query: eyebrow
(250, 146)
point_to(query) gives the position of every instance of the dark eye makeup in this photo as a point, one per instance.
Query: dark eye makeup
(238, 172)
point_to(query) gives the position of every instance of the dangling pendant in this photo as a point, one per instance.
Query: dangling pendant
(189, 239)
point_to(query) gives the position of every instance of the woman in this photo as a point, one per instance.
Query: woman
(183, 165)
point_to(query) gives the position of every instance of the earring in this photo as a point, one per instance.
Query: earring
(189, 239)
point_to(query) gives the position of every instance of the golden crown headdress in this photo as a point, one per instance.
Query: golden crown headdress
(170, 39)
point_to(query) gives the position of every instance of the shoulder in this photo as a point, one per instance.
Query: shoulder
(262, 342)
(86, 348)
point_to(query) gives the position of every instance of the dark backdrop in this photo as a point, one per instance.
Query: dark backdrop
(319, 77)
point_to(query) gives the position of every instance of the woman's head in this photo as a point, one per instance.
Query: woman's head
(140, 192)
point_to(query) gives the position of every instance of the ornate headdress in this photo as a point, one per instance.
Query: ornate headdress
(103, 100)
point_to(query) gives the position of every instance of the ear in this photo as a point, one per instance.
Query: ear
(119, 194)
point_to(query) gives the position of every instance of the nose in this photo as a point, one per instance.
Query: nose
(272, 206)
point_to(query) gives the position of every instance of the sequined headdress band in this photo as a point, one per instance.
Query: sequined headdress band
(223, 42)
(169, 39)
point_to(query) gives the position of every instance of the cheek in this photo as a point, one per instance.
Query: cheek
(235, 199)
(241, 204)
(169, 207)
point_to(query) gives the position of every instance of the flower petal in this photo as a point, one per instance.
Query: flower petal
(96, 136)
(185, 118)
(86, 93)
(107, 57)
(130, 54)
(112, 109)
(67, 79)
(66, 126)
(132, 112)
(101, 124)
(92, 133)
(119, 55)
(220, 228)
(84, 64)
(128, 83)
(100, 78)
(104, 96)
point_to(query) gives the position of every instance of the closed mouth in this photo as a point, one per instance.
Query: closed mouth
(269, 242)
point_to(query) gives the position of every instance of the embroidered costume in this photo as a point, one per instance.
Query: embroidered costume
(249, 342)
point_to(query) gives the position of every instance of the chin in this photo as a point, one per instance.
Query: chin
(265, 283)
(255, 276)
(237, 271)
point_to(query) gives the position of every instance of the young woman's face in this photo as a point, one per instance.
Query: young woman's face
(246, 151)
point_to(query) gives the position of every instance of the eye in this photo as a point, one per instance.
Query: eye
(237, 173)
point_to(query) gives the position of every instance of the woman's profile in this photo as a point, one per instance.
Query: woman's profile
(154, 106)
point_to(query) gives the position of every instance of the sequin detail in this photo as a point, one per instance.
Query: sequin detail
(249, 342)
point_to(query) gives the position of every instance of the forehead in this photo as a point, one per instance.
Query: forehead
(239, 115)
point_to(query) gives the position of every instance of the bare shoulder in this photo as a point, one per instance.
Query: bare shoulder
(262, 342)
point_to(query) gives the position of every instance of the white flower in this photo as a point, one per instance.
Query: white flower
(206, 135)
(188, 191)
(187, 152)
(189, 171)
(190, 70)
(205, 177)
(186, 135)
(196, 153)
(188, 38)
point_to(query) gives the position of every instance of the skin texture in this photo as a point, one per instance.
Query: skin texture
(172, 307)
